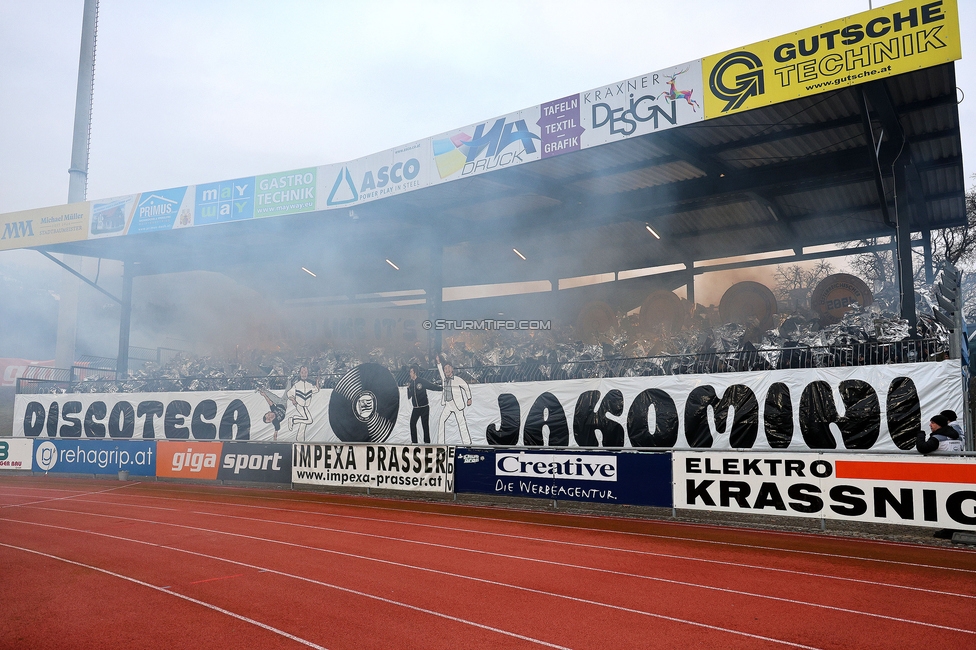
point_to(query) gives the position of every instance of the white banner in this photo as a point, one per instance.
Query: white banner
(868, 407)
(651, 102)
(388, 467)
(16, 453)
(937, 492)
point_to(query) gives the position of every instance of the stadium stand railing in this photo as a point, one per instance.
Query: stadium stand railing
(56, 380)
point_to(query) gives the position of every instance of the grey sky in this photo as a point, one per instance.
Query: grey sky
(189, 92)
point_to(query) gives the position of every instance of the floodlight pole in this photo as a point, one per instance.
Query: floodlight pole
(77, 184)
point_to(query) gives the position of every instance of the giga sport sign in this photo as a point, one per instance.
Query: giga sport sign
(930, 491)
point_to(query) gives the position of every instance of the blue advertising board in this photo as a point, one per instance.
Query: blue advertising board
(255, 462)
(633, 478)
(138, 457)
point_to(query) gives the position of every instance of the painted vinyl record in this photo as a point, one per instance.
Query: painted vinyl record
(364, 404)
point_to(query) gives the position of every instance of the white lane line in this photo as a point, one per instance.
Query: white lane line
(476, 531)
(70, 496)
(171, 593)
(740, 565)
(582, 517)
(555, 563)
(398, 564)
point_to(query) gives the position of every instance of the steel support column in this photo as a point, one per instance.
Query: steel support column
(903, 249)
(435, 296)
(927, 256)
(690, 286)
(125, 320)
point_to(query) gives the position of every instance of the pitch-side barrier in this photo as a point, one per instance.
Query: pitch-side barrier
(903, 489)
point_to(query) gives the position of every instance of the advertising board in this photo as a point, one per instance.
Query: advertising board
(928, 491)
(16, 453)
(633, 478)
(138, 457)
(415, 468)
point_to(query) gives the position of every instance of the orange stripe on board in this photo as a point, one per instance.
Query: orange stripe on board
(925, 472)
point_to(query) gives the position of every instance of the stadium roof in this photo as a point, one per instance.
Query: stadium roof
(773, 175)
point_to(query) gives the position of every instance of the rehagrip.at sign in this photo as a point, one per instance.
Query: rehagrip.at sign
(418, 468)
(937, 492)
(95, 456)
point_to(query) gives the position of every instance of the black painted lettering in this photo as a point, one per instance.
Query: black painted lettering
(508, 434)
(546, 413)
(665, 432)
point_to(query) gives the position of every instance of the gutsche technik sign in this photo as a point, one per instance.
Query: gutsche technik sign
(887, 41)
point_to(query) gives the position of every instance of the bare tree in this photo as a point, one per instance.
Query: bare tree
(795, 282)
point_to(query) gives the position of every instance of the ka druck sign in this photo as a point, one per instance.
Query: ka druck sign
(929, 491)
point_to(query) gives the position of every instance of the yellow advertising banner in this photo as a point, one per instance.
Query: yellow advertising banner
(883, 42)
(56, 225)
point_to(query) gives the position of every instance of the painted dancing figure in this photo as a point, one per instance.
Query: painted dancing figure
(300, 395)
(456, 395)
(417, 394)
(277, 407)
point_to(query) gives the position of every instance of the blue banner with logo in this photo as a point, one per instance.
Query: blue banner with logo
(138, 457)
(633, 478)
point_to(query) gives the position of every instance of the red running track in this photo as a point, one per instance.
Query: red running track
(87, 564)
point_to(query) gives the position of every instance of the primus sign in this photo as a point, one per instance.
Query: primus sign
(930, 491)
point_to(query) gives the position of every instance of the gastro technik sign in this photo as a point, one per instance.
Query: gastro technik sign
(390, 467)
(887, 41)
(920, 491)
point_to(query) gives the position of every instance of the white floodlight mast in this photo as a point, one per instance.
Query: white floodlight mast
(64, 354)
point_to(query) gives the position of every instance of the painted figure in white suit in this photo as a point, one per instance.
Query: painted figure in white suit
(300, 395)
(455, 397)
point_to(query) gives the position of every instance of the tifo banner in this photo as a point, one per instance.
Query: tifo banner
(635, 478)
(95, 456)
(389, 467)
(883, 42)
(937, 492)
(16, 453)
(891, 40)
(201, 416)
(880, 408)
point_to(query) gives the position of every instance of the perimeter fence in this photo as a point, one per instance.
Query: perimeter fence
(859, 354)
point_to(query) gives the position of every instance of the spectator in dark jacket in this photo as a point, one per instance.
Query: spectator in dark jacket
(951, 417)
(417, 394)
(943, 439)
